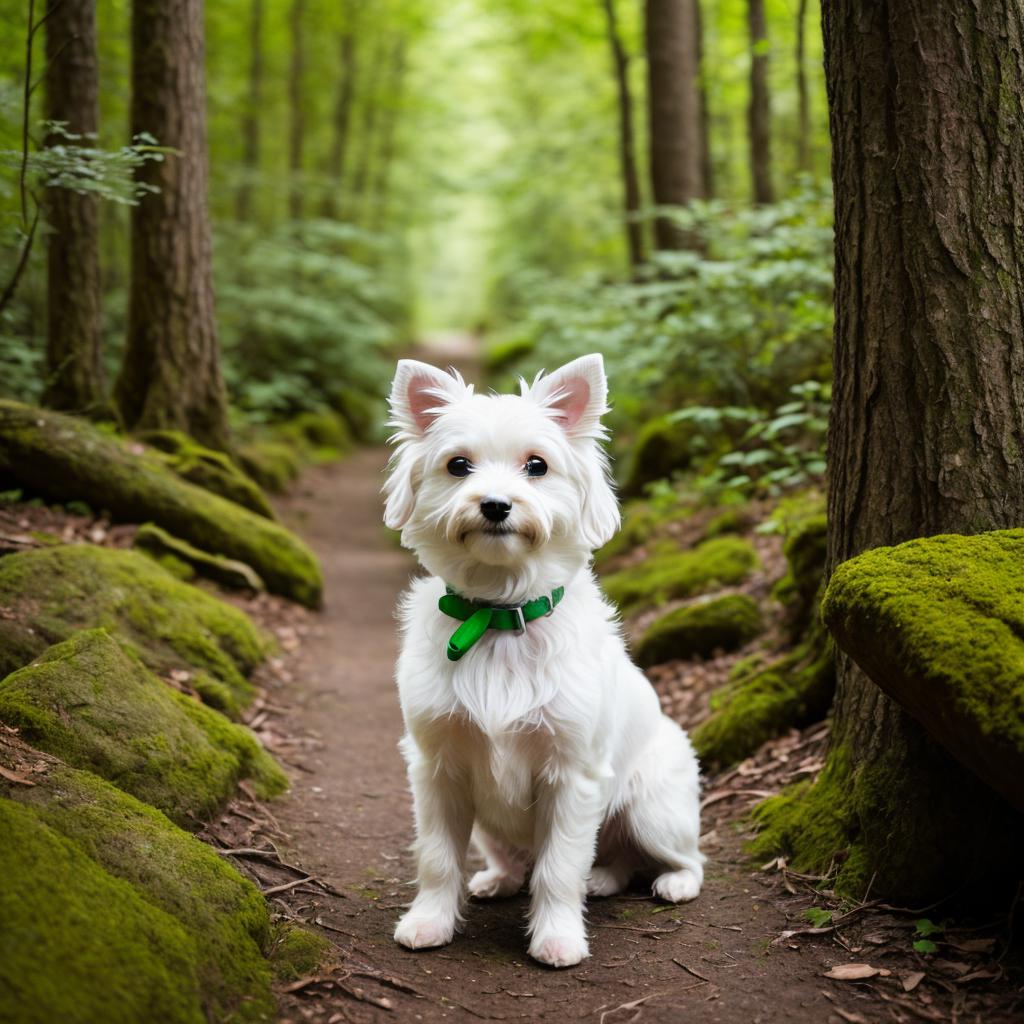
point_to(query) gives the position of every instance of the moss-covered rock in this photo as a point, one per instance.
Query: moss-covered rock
(186, 561)
(764, 701)
(317, 436)
(272, 464)
(297, 952)
(732, 520)
(50, 593)
(365, 414)
(661, 448)
(938, 624)
(220, 916)
(89, 703)
(62, 458)
(502, 354)
(806, 550)
(720, 562)
(213, 470)
(699, 629)
(77, 944)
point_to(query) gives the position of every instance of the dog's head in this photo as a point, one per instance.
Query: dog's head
(500, 490)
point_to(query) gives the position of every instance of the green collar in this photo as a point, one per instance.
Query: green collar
(477, 618)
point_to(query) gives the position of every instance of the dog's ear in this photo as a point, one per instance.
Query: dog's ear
(577, 395)
(418, 394)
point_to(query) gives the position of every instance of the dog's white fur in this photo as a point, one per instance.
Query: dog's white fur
(550, 747)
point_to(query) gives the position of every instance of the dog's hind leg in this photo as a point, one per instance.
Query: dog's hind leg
(505, 871)
(662, 813)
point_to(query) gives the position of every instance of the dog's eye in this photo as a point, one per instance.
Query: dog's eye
(536, 466)
(460, 466)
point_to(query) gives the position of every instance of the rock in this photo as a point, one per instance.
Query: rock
(49, 594)
(103, 894)
(226, 571)
(318, 436)
(62, 458)
(272, 464)
(661, 448)
(699, 629)
(89, 703)
(723, 561)
(938, 624)
(213, 470)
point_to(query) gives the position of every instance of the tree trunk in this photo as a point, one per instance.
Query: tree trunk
(707, 173)
(368, 128)
(673, 102)
(759, 109)
(631, 196)
(340, 126)
(251, 117)
(171, 371)
(75, 377)
(803, 131)
(927, 428)
(297, 121)
(389, 129)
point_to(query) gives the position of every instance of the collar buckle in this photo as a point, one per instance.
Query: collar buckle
(520, 627)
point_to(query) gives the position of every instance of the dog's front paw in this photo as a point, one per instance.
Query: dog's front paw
(417, 931)
(559, 950)
(491, 885)
(677, 886)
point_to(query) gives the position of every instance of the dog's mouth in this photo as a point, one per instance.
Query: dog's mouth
(490, 530)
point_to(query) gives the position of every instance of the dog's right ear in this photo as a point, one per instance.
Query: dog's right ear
(419, 394)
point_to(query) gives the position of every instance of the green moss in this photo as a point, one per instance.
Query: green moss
(732, 520)
(224, 915)
(297, 952)
(757, 705)
(53, 592)
(641, 521)
(504, 353)
(364, 413)
(95, 707)
(720, 562)
(212, 470)
(272, 464)
(723, 623)
(317, 436)
(662, 447)
(78, 944)
(59, 457)
(173, 552)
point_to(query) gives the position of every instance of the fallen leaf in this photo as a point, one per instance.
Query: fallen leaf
(974, 945)
(855, 972)
(911, 980)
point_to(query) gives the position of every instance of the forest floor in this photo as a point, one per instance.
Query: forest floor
(331, 713)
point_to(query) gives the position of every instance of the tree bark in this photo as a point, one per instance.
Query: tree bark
(674, 112)
(927, 427)
(803, 130)
(251, 117)
(631, 196)
(75, 375)
(170, 376)
(297, 121)
(759, 109)
(340, 124)
(707, 173)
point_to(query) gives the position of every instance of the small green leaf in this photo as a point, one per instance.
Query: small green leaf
(925, 946)
(818, 917)
(925, 927)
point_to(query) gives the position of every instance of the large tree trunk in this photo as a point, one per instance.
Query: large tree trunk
(631, 197)
(673, 101)
(803, 129)
(75, 377)
(706, 167)
(927, 428)
(759, 108)
(340, 124)
(296, 114)
(251, 117)
(171, 371)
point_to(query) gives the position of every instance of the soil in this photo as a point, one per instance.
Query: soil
(332, 714)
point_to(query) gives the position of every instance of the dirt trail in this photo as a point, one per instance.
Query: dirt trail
(349, 817)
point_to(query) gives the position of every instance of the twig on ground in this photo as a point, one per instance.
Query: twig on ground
(287, 885)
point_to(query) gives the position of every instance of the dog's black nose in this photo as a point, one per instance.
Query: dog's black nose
(495, 509)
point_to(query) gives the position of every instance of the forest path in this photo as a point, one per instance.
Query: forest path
(350, 821)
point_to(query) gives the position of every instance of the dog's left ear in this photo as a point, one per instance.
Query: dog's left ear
(419, 392)
(577, 394)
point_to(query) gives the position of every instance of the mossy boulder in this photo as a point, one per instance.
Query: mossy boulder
(698, 630)
(297, 952)
(151, 869)
(661, 448)
(272, 464)
(723, 561)
(162, 546)
(763, 701)
(77, 944)
(213, 470)
(318, 436)
(62, 458)
(364, 413)
(938, 624)
(89, 703)
(48, 594)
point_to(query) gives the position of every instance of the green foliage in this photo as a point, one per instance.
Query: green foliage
(818, 917)
(89, 703)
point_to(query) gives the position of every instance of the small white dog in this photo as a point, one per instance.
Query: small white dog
(530, 728)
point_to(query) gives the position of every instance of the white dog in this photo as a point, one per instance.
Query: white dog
(529, 728)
